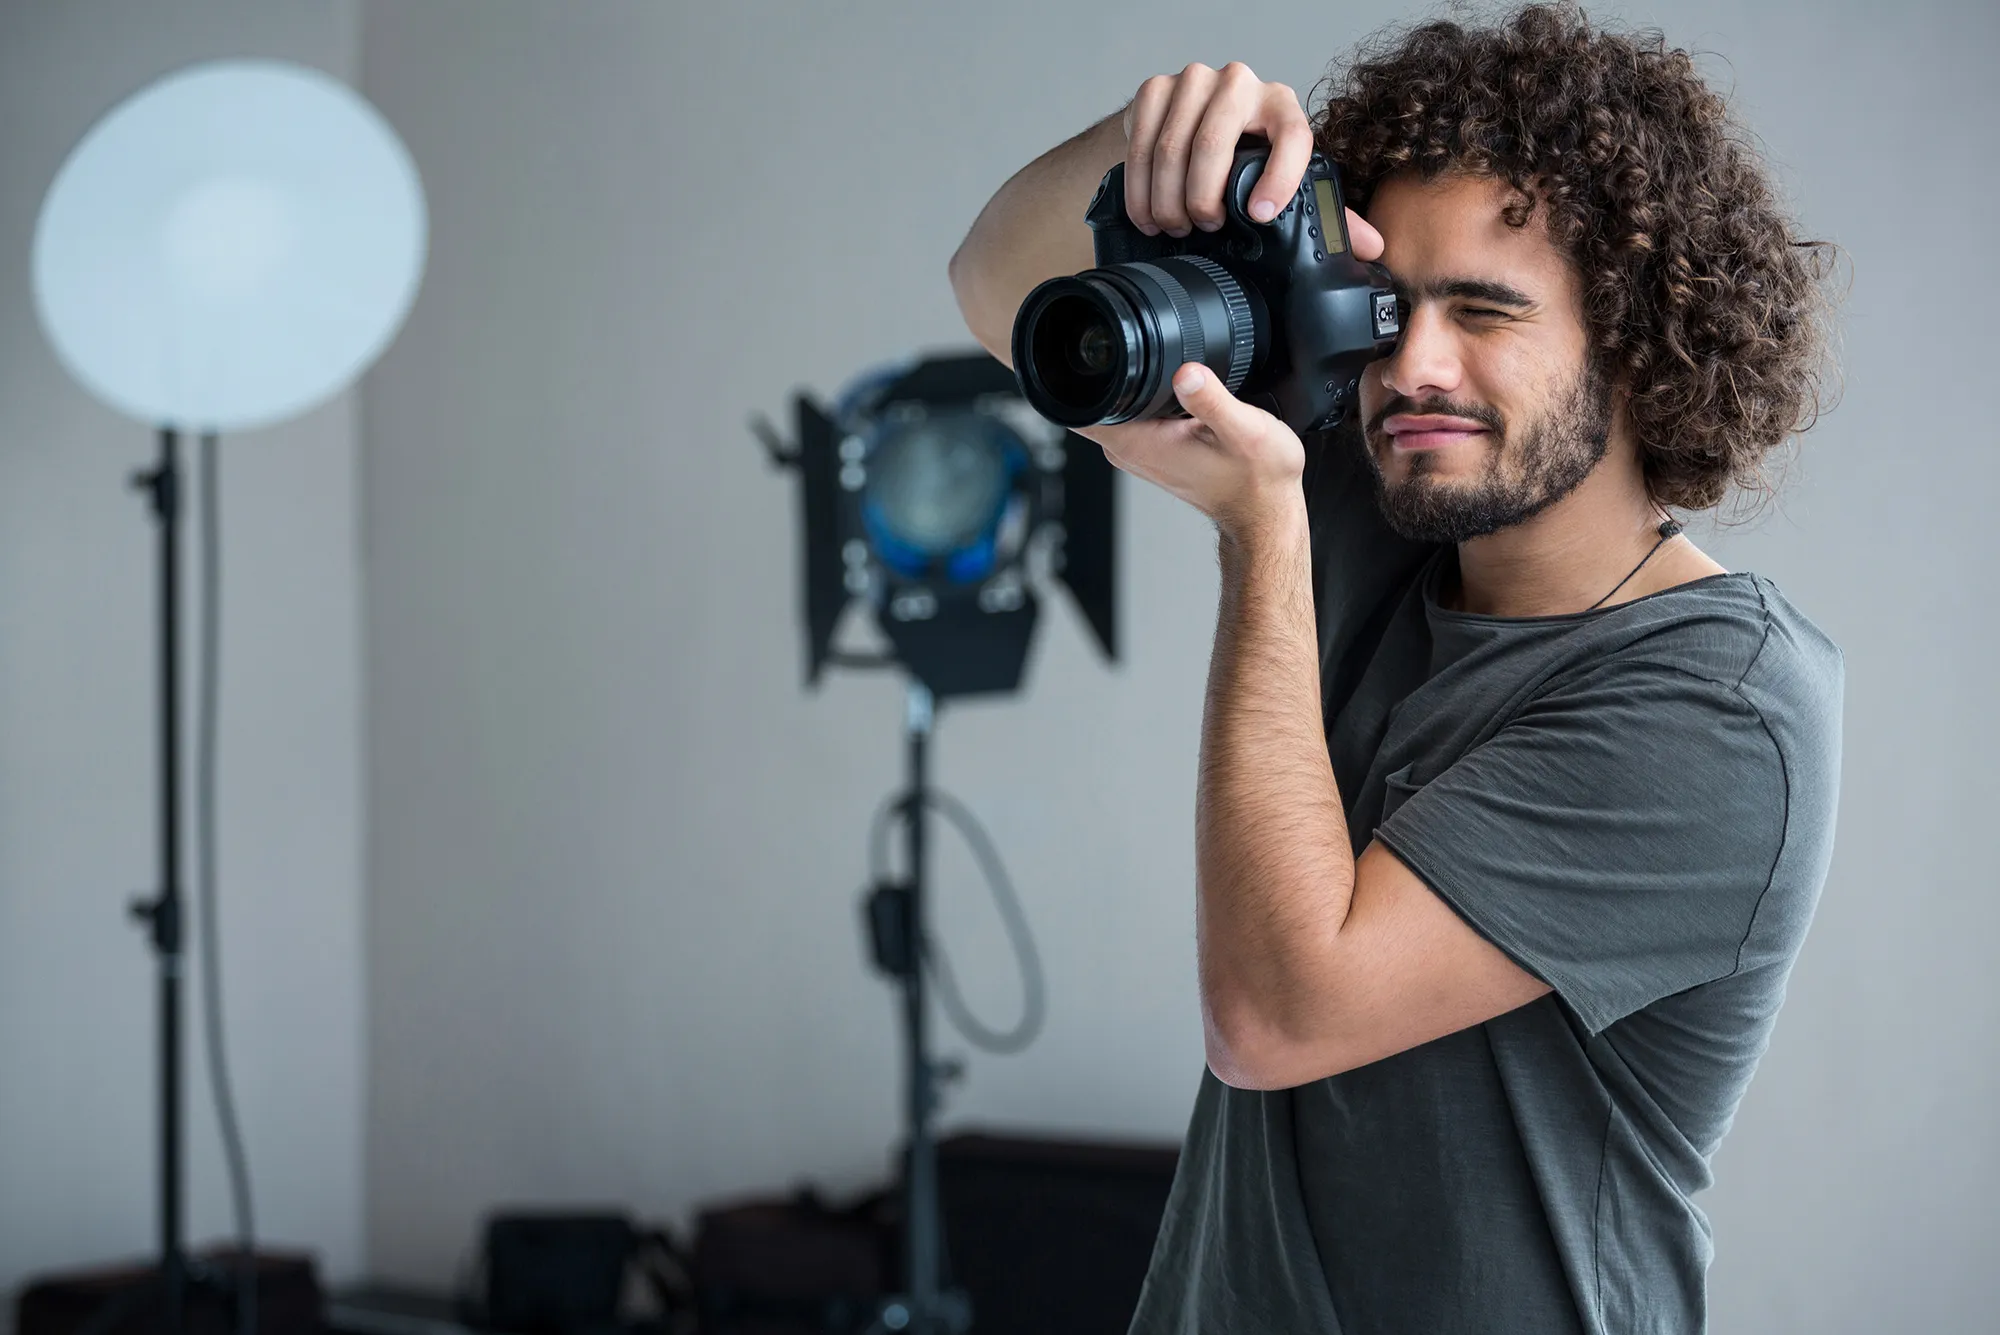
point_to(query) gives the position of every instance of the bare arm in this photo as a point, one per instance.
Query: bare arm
(1031, 231)
(1311, 962)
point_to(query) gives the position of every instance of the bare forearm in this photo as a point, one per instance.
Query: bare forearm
(1274, 869)
(1032, 230)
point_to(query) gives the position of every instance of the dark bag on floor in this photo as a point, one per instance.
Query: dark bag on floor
(126, 1300)
(794, 1266)
(553, 1272)
(1051, 1237)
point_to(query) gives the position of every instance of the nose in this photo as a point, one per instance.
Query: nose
(1426, 361)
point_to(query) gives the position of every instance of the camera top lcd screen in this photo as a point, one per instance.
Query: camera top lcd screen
(1330, 222)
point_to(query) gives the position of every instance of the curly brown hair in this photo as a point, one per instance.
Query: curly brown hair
(1700, 298)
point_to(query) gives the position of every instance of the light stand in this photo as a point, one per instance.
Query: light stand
(896, 917)
(225, 249)
(166, 921)
(163, 915)
(177, 1274)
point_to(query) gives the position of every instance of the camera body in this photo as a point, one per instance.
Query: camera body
(1282, 311)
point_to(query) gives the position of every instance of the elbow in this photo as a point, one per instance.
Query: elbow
(1229, 1067)
(996, 339)
(960, 272)
(1247, 1050)
(1243, 1066)
(1259, 1043)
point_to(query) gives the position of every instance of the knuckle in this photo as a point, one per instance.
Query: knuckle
(1214, 139)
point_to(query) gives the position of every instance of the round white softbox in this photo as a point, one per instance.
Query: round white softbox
(229, 246)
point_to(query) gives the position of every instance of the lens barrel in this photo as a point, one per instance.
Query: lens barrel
(1101, 347)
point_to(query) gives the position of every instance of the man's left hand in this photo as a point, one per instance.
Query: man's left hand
(1237, 464)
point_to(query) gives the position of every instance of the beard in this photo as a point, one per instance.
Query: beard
(1519, 479)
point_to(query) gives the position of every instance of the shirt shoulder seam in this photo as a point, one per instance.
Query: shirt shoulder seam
(1764, 607)
(1735, 688)
(1784, 776)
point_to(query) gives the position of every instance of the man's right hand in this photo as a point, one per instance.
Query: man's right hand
(1181, 132)
(1178, 140)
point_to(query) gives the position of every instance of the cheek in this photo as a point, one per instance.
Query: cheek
(1513, 377)
(1373, 393)
(1519, 374)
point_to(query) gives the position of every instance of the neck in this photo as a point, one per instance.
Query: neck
(1566, 558)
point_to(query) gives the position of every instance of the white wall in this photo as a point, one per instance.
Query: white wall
(612, 949)
(77, 720)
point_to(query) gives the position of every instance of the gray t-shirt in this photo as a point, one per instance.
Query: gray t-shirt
(1636, 805)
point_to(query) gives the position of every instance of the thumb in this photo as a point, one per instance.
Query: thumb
(1362, 236)
(1209, 403)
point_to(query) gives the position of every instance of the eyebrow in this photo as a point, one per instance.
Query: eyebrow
(1467, 289)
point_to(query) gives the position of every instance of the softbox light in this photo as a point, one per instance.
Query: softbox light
(226, 249)
(229, 247)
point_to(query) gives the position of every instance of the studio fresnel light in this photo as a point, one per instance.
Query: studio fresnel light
(933, 491)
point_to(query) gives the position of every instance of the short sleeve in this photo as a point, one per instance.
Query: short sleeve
(1614, 838)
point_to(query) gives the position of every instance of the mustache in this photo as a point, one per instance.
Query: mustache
(1471, 412)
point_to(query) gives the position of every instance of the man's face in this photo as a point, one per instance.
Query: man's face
(1489, 410)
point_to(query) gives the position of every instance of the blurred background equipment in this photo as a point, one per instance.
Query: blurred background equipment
(796, 1265)
(226, 249)
(1052, 1237)
(1046, 1237)
(555, 1272)
(540, 1272)
(934, 492)
(124, 1300)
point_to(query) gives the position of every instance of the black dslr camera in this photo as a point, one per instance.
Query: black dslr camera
(1281, 311)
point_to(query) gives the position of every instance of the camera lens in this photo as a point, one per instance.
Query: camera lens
(1092, 352)
(1100, 347)
(1078, 350)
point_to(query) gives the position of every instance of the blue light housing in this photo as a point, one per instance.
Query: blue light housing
(939, 492)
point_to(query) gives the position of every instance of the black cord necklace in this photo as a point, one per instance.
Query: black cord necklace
(1667, 530)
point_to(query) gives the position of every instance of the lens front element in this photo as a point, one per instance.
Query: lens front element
(1078, 349)
(1100, 347)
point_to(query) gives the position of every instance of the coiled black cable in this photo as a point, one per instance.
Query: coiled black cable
(1034, 1005)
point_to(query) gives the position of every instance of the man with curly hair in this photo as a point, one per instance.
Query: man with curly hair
(1513, 806)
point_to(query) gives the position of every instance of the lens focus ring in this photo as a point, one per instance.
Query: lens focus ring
(1184, 312)
(1242, 328)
